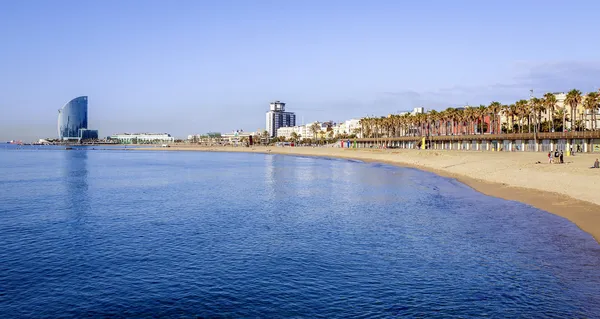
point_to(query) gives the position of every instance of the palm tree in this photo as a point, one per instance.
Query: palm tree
(265, 136)
(521, 111)
(315, 128)
(495, 108)
(561, 113)
(537, 107)
(481, 112)
(591, 103)
(451, 116)
(507, 112)
(550, 104)
(294, 136)
(573, 99)
(467, 118)
(432, 118)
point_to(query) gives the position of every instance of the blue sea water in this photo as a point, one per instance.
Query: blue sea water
(138, 234)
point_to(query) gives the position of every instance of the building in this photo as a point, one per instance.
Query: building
(581, 114)
(210, 138)
(302, 131)
(239, 136)
(348, 127)
(73, 121)
(143, 138)
(277, 117)
(287, 132)
(415, 111)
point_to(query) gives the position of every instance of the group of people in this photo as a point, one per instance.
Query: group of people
(558, 157)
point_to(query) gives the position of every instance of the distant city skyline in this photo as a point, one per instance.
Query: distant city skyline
(189, 67)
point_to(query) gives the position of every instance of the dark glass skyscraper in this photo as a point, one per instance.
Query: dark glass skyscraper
(72, 118)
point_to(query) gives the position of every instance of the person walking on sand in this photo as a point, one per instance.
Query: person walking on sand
(561, 157)
(549, 157)
(596, 164)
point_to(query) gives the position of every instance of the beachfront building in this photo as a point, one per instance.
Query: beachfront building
(210, 138)
(277, 117)
(142, 138)
(239, 136)
(302, 131)
(349, 127)
(73, 121)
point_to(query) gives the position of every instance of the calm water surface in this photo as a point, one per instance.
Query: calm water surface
(213, 235)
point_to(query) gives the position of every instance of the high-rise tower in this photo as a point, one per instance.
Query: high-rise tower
(277, 117)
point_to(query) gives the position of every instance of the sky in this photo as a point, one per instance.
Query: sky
(189, 67)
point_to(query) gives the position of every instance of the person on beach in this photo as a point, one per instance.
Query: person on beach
(549, 157)
(596, 164)
(561, 157)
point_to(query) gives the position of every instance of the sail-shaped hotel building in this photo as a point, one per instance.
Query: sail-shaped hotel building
(73, 121)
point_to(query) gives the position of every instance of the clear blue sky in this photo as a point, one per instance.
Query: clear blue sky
(196, 66)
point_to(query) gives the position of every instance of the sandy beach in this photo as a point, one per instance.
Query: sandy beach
(570, 190)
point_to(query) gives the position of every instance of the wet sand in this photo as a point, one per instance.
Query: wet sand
(570, 190)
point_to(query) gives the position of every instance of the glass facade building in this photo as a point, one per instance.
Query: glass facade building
(86, 134)
(72, 118)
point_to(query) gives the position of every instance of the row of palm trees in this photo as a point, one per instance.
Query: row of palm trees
(519, 117)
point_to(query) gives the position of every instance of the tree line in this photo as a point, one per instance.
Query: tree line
(520, 117)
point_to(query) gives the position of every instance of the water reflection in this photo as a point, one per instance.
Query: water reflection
(75, 177)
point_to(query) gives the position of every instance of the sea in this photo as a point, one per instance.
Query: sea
(107, 233)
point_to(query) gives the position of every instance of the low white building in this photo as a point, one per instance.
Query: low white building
(302, 131)
(143, 138)
(348, 127)
(236, 137)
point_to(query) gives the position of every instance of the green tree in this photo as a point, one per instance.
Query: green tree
(573, 99)
(315, 128)
(590, 104)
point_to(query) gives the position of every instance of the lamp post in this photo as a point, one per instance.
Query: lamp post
(534, 119)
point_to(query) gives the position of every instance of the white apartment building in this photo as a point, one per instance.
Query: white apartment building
(303, 131)
(143, 138)
(277, 117)
(348, 127)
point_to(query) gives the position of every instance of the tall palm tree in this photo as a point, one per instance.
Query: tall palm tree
(495, 108)
(481, 112)
(432, 119)
(537, 107)
(470, 115)
(573, 100)
(550, 104)
(561, 113)
(522, 111)
(315, 128)
(590, 104)
(508, 112)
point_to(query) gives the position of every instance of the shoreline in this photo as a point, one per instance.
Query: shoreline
(583, 213)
